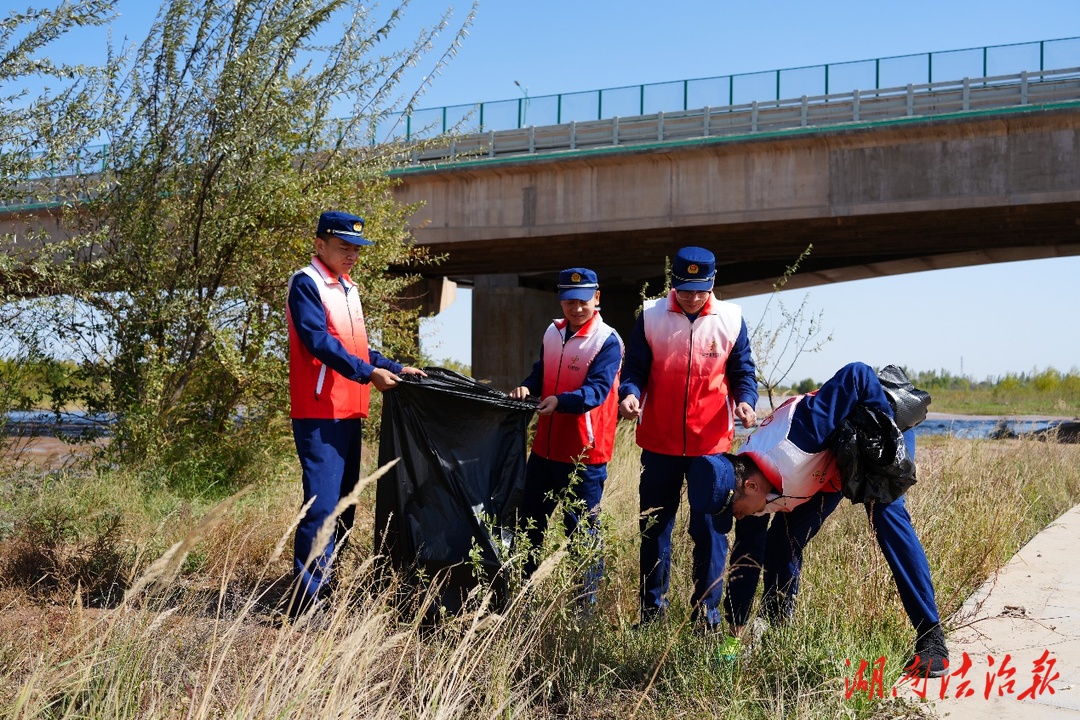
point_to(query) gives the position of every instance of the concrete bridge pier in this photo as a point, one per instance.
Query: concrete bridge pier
(509, 318)
(507, 324)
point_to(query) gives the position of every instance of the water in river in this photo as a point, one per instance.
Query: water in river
(970, 426)
(967, 426)
(980, 427)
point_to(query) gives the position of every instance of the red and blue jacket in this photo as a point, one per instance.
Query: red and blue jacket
(329, 359)
(688, 373)
(796, 473)
(792, 447)
(582, 370)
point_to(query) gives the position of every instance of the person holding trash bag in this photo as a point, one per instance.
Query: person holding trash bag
(330, 370)
(576, 380)
(688, 376)
(808, 462)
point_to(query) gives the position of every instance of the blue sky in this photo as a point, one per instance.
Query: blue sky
(981, 321)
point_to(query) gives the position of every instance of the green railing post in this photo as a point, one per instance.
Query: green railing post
(641, 100)
(826, 79)
(984, 62)
(599, 104)
(558, 109)
(481, 117)
(777, 84)
(730, 89)
(519, 113)
(929, 67)
(685, 95)
(444, 119)
(877, 73)
(1042, 47)
(408, 127)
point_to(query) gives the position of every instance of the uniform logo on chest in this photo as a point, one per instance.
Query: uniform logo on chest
(574, 363)
(712, 351)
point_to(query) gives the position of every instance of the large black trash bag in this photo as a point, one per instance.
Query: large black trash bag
(871, 455)
(457, 486)
(872, 458)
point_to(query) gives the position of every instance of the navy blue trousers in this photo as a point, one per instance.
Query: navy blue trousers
(329, 452)
(659, 493)
(546, 483)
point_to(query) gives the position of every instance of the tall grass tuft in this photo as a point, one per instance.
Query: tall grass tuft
(207, 638)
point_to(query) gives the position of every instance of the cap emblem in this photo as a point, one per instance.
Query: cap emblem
(575, 278)
(692, 269)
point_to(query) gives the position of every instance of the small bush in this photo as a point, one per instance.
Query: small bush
(51, 557)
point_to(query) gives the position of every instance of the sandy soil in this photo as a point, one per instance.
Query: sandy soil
(47, 452)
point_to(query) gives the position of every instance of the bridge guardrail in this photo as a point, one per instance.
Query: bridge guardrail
(723, 90)
(923, 100)
(912, 100)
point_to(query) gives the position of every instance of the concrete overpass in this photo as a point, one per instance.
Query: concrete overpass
(954, 185)
(882, 182)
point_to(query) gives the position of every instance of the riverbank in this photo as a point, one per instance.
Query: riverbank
(48, 452)
(997, 426)
(996, 418)
(55, 452)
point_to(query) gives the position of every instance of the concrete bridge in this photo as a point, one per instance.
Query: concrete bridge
(881, 182)
(964, 173)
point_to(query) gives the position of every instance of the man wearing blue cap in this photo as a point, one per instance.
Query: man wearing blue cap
(689, 375)
(330, 368)
(576, 379)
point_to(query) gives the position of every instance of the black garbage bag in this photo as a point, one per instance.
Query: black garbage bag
(872, 458)
(441, 510)
(909, 403)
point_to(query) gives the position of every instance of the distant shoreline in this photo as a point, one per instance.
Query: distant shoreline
(1017, 417)
(764, 410)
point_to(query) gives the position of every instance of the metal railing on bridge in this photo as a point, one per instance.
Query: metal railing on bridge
(998, 92)
(723, 105)
(730, 90)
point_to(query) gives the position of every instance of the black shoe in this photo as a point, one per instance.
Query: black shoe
(301, 605)
(650, 617)
(931, 658)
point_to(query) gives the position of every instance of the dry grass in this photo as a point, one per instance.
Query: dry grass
(205, 638)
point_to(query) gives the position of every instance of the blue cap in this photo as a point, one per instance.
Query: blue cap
(710, 484)
(577, 284)
(349, 228)
(694, 268)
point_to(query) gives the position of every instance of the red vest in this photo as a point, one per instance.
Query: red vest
(316, 391)
(565, 437)
(796, 474)
(685, 408)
